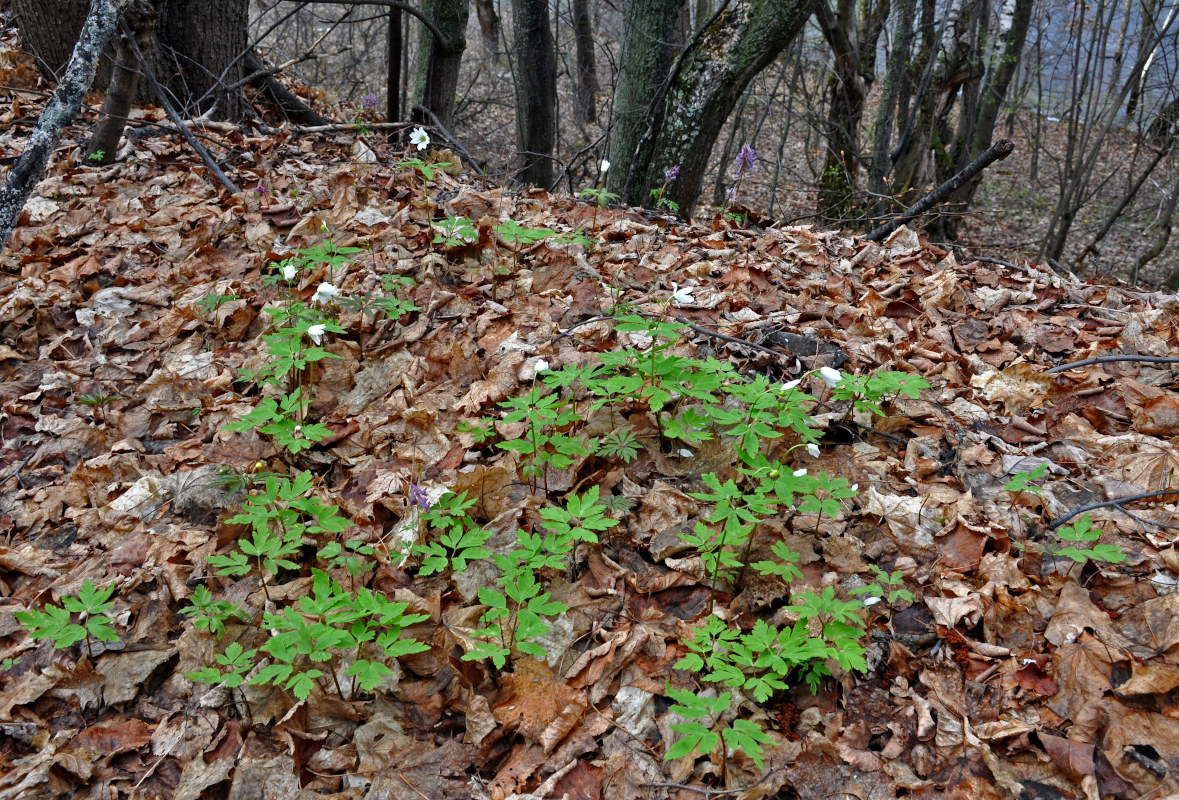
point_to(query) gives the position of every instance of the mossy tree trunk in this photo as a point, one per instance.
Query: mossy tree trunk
(437, 73)
(643, 65)
(706, 85)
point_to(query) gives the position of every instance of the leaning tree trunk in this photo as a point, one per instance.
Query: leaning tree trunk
(140, 17)
(643, 64)
(709, 80)
(536, 91)
(436, 78)
(61, 109)
(198, 49)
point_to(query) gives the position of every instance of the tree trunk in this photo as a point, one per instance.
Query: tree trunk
(854, 48)
(104, 143)
(393, 45)
(61, 109)
(199, 45)
(643, 64)
(536, 91)
(436, 79)
(994, 91)
(881, 165)
(708, 82)
(489, 26)
(585, 107)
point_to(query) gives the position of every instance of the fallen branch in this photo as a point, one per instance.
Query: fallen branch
(1106, 504)
(59, 111)
(172, 115)
(1085, 362)
(996, 152)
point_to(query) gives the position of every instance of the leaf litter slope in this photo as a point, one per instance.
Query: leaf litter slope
(1013, 672)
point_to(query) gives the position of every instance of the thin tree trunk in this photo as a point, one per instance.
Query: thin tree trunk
(490, 27)
(61, 109)
(436, 81)
(881, 165)
(394, 43)
(585, 107)
(104, 143)
(536, 91)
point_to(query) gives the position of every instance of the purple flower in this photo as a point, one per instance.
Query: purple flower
(370, 102)
(418, 497)
(731, 194)
(745, 159)
(261, 189)
(670, 175)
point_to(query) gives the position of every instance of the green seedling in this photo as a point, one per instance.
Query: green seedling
(56, 624)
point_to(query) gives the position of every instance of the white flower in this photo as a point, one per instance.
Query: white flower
(798, 473)
(419, 137)
(788, 385)
(870, 601)
(605, 165)
(855, 487)
(316, 332)
(830, 376)
(324, 293)
(813, 449)
(540, 366)
(289, 271)
(685, 452)
(681, 296)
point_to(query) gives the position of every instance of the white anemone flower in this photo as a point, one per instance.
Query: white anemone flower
(870, 601)
(813, 449)
(324, 293)
(316, 332)
(605, 165)
(289, 271)
(830, 376)
(540, 366)
(420, 138)
(681, 296)
(788, 385)
(798, 473)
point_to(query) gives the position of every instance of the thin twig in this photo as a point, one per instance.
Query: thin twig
(1106, 504)
(1110, 359)
(172, 115)
(1144, 520)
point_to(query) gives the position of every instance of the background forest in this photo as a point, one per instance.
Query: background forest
(853, 110)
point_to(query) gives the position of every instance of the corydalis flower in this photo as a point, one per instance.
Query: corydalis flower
(419, 138)
(418, 497)
(671, 174)
(746, 158)
(731, 195)
(369, 101)
(261, 189)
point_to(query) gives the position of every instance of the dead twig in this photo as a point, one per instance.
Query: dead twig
(704, 790)
(1110, 359)
(1106, 504)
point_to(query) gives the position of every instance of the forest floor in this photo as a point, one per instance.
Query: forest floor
(133, 296)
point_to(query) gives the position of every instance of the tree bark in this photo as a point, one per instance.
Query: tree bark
(61, 109)
(643, 65)
(708, 81)
(489, 26)
(881, 165)
(536, 91)
(585, 107)
(436, 78)
(199, 44)
(104, 142)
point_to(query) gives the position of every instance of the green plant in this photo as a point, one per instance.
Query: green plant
(213, 301)
(97, 155)
(56, 622)
(460, 541)
(209, 614)
(515, 614)
(9, 663)
(867, 391)
(1022, 481)
(1081, 533)
(889, 587)
(543, 443)
(455, 232)
(481, 431)
(702, 737)
(619, 443)
(98, 399)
